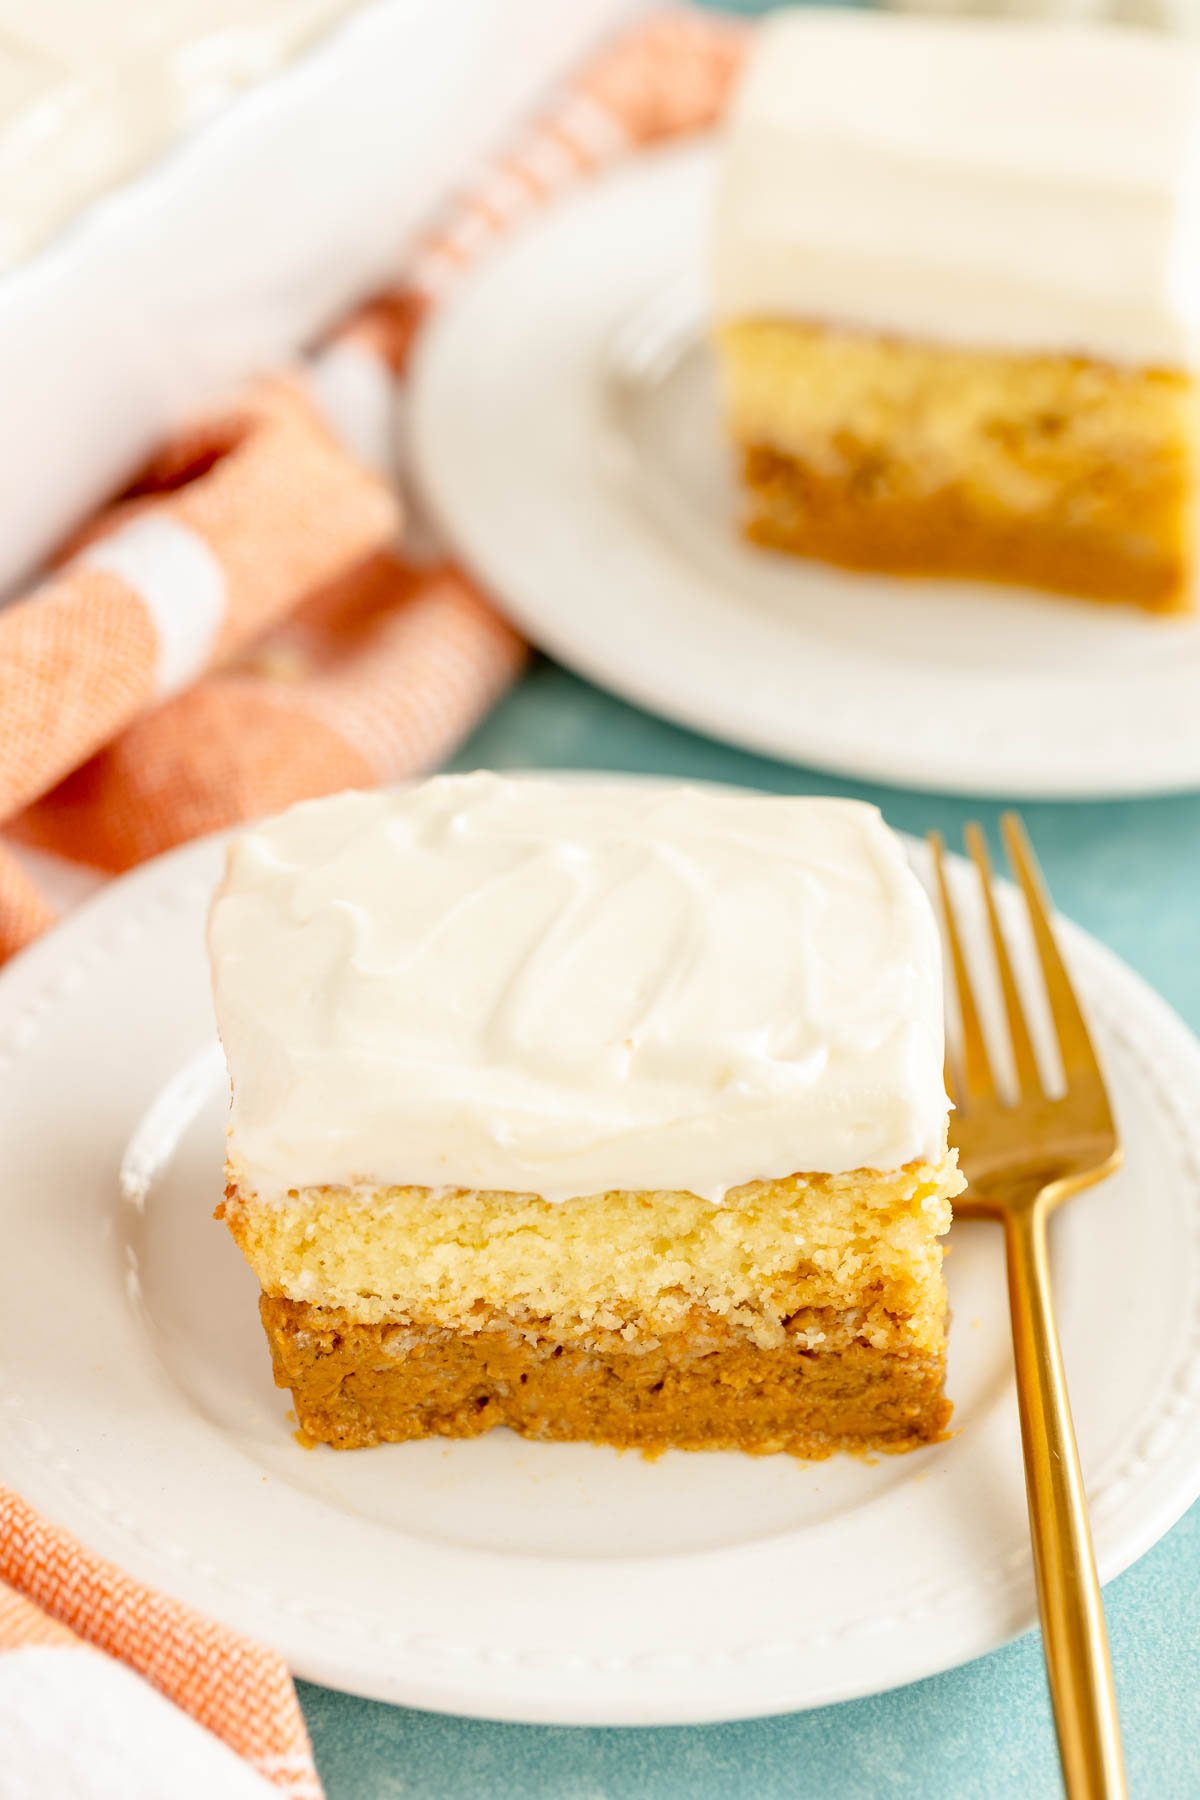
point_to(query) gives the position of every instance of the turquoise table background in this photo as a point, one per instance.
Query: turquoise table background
(1130, 872)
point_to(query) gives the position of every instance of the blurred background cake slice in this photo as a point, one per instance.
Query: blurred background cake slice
(602, 1112)
(957, 287)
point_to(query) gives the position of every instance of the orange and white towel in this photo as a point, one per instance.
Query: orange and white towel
(110, 1691)
(238, 631)
(374, 679)
(183, 575)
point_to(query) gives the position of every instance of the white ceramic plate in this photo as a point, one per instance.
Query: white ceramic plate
(561, 1583)
(566, 433)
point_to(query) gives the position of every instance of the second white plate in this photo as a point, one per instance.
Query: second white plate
(567, 436)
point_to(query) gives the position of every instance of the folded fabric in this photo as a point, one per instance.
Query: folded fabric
(205, 557)
(375, 679)
(111, 1691)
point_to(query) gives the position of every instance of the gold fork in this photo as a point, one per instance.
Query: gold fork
(1023, 1153)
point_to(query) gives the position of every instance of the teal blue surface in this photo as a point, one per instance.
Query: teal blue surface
(1130, 872)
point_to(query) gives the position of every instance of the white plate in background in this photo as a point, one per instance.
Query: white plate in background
(567, 436)
(549, 1582)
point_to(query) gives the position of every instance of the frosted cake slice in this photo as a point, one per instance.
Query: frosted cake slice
(957, 296)
(597, 1110)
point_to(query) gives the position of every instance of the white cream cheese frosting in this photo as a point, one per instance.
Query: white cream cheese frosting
(1008, 185)
(562, 987)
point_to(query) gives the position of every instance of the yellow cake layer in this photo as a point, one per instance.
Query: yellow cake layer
(1059, 471)
(629, 1264)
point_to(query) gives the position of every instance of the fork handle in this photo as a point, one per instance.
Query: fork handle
(1073, 1631)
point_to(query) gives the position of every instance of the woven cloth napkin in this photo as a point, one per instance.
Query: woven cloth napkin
(110, 1691)
(236, 632)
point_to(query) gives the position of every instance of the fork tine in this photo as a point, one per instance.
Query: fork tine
(1074, 1039)
(1029, 1080)
(977, 1068)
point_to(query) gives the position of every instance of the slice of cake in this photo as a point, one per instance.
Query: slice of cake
(598, 1110)
(957, 290)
